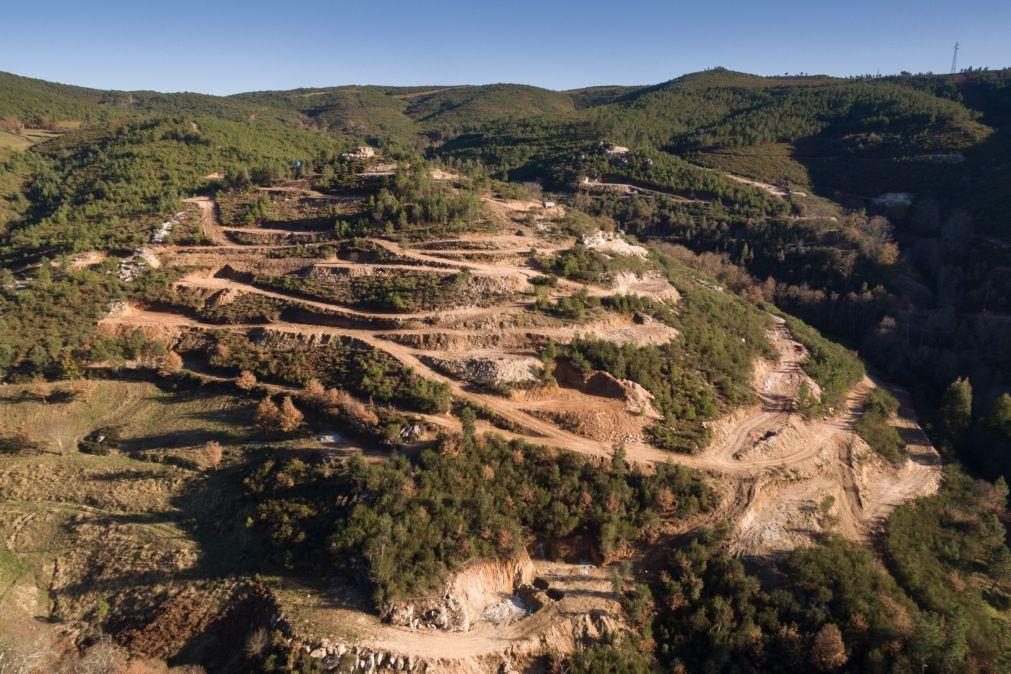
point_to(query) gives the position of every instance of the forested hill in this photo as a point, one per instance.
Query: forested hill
(874, 207)
(40, 104)
(246, 363)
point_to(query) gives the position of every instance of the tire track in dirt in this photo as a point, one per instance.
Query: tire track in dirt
(209, 220)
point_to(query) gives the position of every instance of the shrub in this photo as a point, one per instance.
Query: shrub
(210, 454)
(874, 428)
(170, 364)
(246, 380)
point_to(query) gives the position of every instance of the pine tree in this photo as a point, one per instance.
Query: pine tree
(548, 356)
(246, 380)
(468, 419)
(268, 415)
(290, 418)
(169, 364)
(999, 419)
(68, 365)
(955, 413)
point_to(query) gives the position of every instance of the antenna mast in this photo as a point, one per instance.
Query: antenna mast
(954, 60)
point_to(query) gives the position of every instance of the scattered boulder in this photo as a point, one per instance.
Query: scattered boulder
(610, 242)
(502, 370)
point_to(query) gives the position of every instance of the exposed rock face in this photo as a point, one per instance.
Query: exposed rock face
(650, 285)
(563, 635)
(609, 242)
(491, 370)
(465, 596)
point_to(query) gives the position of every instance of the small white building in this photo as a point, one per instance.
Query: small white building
(617, 150)
(363, 152)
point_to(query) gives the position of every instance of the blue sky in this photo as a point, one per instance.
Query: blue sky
(223, 47)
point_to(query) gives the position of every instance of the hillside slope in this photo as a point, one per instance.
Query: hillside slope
(598, 380)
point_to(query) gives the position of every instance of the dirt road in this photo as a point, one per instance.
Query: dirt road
(627, 188)
(209, 220)
(775, 467)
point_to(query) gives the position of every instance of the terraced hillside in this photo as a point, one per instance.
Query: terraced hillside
(382, 342)
(275, 402)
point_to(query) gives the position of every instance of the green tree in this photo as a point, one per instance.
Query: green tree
(548, 356)
(468, 419)
(39, 358)
(806, 402)
(623, 658)
(999, 419)
(955, 413)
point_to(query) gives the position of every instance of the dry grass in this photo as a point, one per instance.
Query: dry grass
(12, 142)
(145, 416)
(80, 530)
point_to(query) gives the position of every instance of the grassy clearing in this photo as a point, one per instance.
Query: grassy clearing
(11, 569)
(12, 142)
(772, 163)
(146, 416)
(88, 537)
(87, 484)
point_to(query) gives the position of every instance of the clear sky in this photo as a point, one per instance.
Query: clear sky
(227, 46)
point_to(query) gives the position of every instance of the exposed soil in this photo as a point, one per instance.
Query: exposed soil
(775, 467)
(209, 220)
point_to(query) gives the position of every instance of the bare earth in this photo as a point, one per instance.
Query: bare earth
(775, 467)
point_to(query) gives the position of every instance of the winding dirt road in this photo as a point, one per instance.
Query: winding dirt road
(776, 467)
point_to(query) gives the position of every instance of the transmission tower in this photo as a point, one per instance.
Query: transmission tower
(954, 60)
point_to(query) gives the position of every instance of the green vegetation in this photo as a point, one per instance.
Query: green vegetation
(106, 187)
(399, 114)
(580, 263)
(949, 551)
(682, 395)
(574, 307)
(399, 291)
(622, 658)
(955, 413)
(244, 308)
(668, 174)
(836, 608)
(341, 362)
(416, 205)
(834, 368)
(771, 162)
(918, 284)
(874, 428)
(411, 523)
(11, 569)
(48, 322)
(247, 206)
(702, 373)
